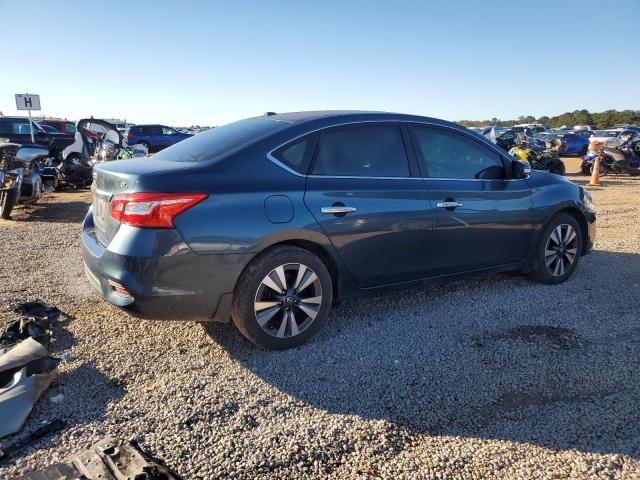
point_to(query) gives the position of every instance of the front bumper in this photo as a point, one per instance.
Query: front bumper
(163, 278)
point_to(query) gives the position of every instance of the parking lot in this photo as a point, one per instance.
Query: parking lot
(491, 377)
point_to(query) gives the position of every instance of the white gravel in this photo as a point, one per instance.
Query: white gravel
(492, 377)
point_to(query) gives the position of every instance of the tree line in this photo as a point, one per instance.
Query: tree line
(599, 120)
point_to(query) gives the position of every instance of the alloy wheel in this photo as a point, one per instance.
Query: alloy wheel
(288, 300)
(561, 250)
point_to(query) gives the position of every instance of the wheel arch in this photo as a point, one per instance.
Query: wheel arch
(572, 210)
(317, 249)
(580, 218)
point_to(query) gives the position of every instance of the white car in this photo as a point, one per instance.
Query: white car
(604, 136)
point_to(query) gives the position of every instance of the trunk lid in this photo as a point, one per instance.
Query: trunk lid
(112, 178)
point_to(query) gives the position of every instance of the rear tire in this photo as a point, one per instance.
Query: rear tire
(282, 298)
(586, 169)
(7, 202)
(558, 251)
(557, 166)
(603, 169)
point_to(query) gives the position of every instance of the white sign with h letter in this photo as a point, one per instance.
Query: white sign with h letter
(26, 101)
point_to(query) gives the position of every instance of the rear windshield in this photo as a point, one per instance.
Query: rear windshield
(220, 140)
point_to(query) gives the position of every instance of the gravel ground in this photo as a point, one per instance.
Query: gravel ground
(492, 377)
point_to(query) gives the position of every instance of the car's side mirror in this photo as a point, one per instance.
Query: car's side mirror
(520, 169)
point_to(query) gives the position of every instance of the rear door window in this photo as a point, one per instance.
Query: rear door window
(447, 154)
(362, 151)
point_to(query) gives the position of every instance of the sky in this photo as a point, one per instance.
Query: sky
(209, 63)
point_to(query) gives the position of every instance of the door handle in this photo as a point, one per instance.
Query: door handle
(337, 210)
(449, 204)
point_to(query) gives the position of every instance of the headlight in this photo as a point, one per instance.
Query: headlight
(588, 201)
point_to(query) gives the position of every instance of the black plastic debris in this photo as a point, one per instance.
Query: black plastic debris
(108, 459)
(34, 321)
(39, 433)
(37, 310)
(21, 329)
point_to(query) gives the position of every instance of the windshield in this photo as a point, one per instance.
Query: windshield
(219, 141)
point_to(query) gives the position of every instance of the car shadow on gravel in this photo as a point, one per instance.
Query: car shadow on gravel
(60, 212)
(495, 357)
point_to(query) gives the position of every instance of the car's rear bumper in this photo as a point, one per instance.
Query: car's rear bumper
(152, 273)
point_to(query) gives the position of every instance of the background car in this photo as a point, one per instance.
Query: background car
(62, 126)
(531, 127)
(270, 219)
(507, 139)
(154, 137)
(586, 134)
(49, 128)
(16, 129)
(574, 144)
(498, 129)
(604, 136)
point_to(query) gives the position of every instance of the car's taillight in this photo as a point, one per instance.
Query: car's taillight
(129, 136)
(152, 210)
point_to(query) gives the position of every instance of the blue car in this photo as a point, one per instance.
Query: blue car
(267, 221)
(154, 137)
(576, 143)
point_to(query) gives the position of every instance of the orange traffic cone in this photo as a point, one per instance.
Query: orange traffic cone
(595, 173)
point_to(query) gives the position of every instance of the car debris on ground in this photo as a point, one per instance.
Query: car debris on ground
(108, 459)
(26, 368)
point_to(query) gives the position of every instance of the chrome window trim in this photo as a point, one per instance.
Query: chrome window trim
(364, 177)
(427, 124)
(282, 165)
(477, 179)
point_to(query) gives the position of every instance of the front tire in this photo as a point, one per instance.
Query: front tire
(283, 298)
(558, 251)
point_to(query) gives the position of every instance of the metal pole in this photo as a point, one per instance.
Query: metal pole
(31, 128)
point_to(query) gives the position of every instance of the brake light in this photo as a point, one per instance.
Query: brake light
(129, 136)
(152, 210)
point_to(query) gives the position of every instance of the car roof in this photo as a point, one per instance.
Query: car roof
(352, 116)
